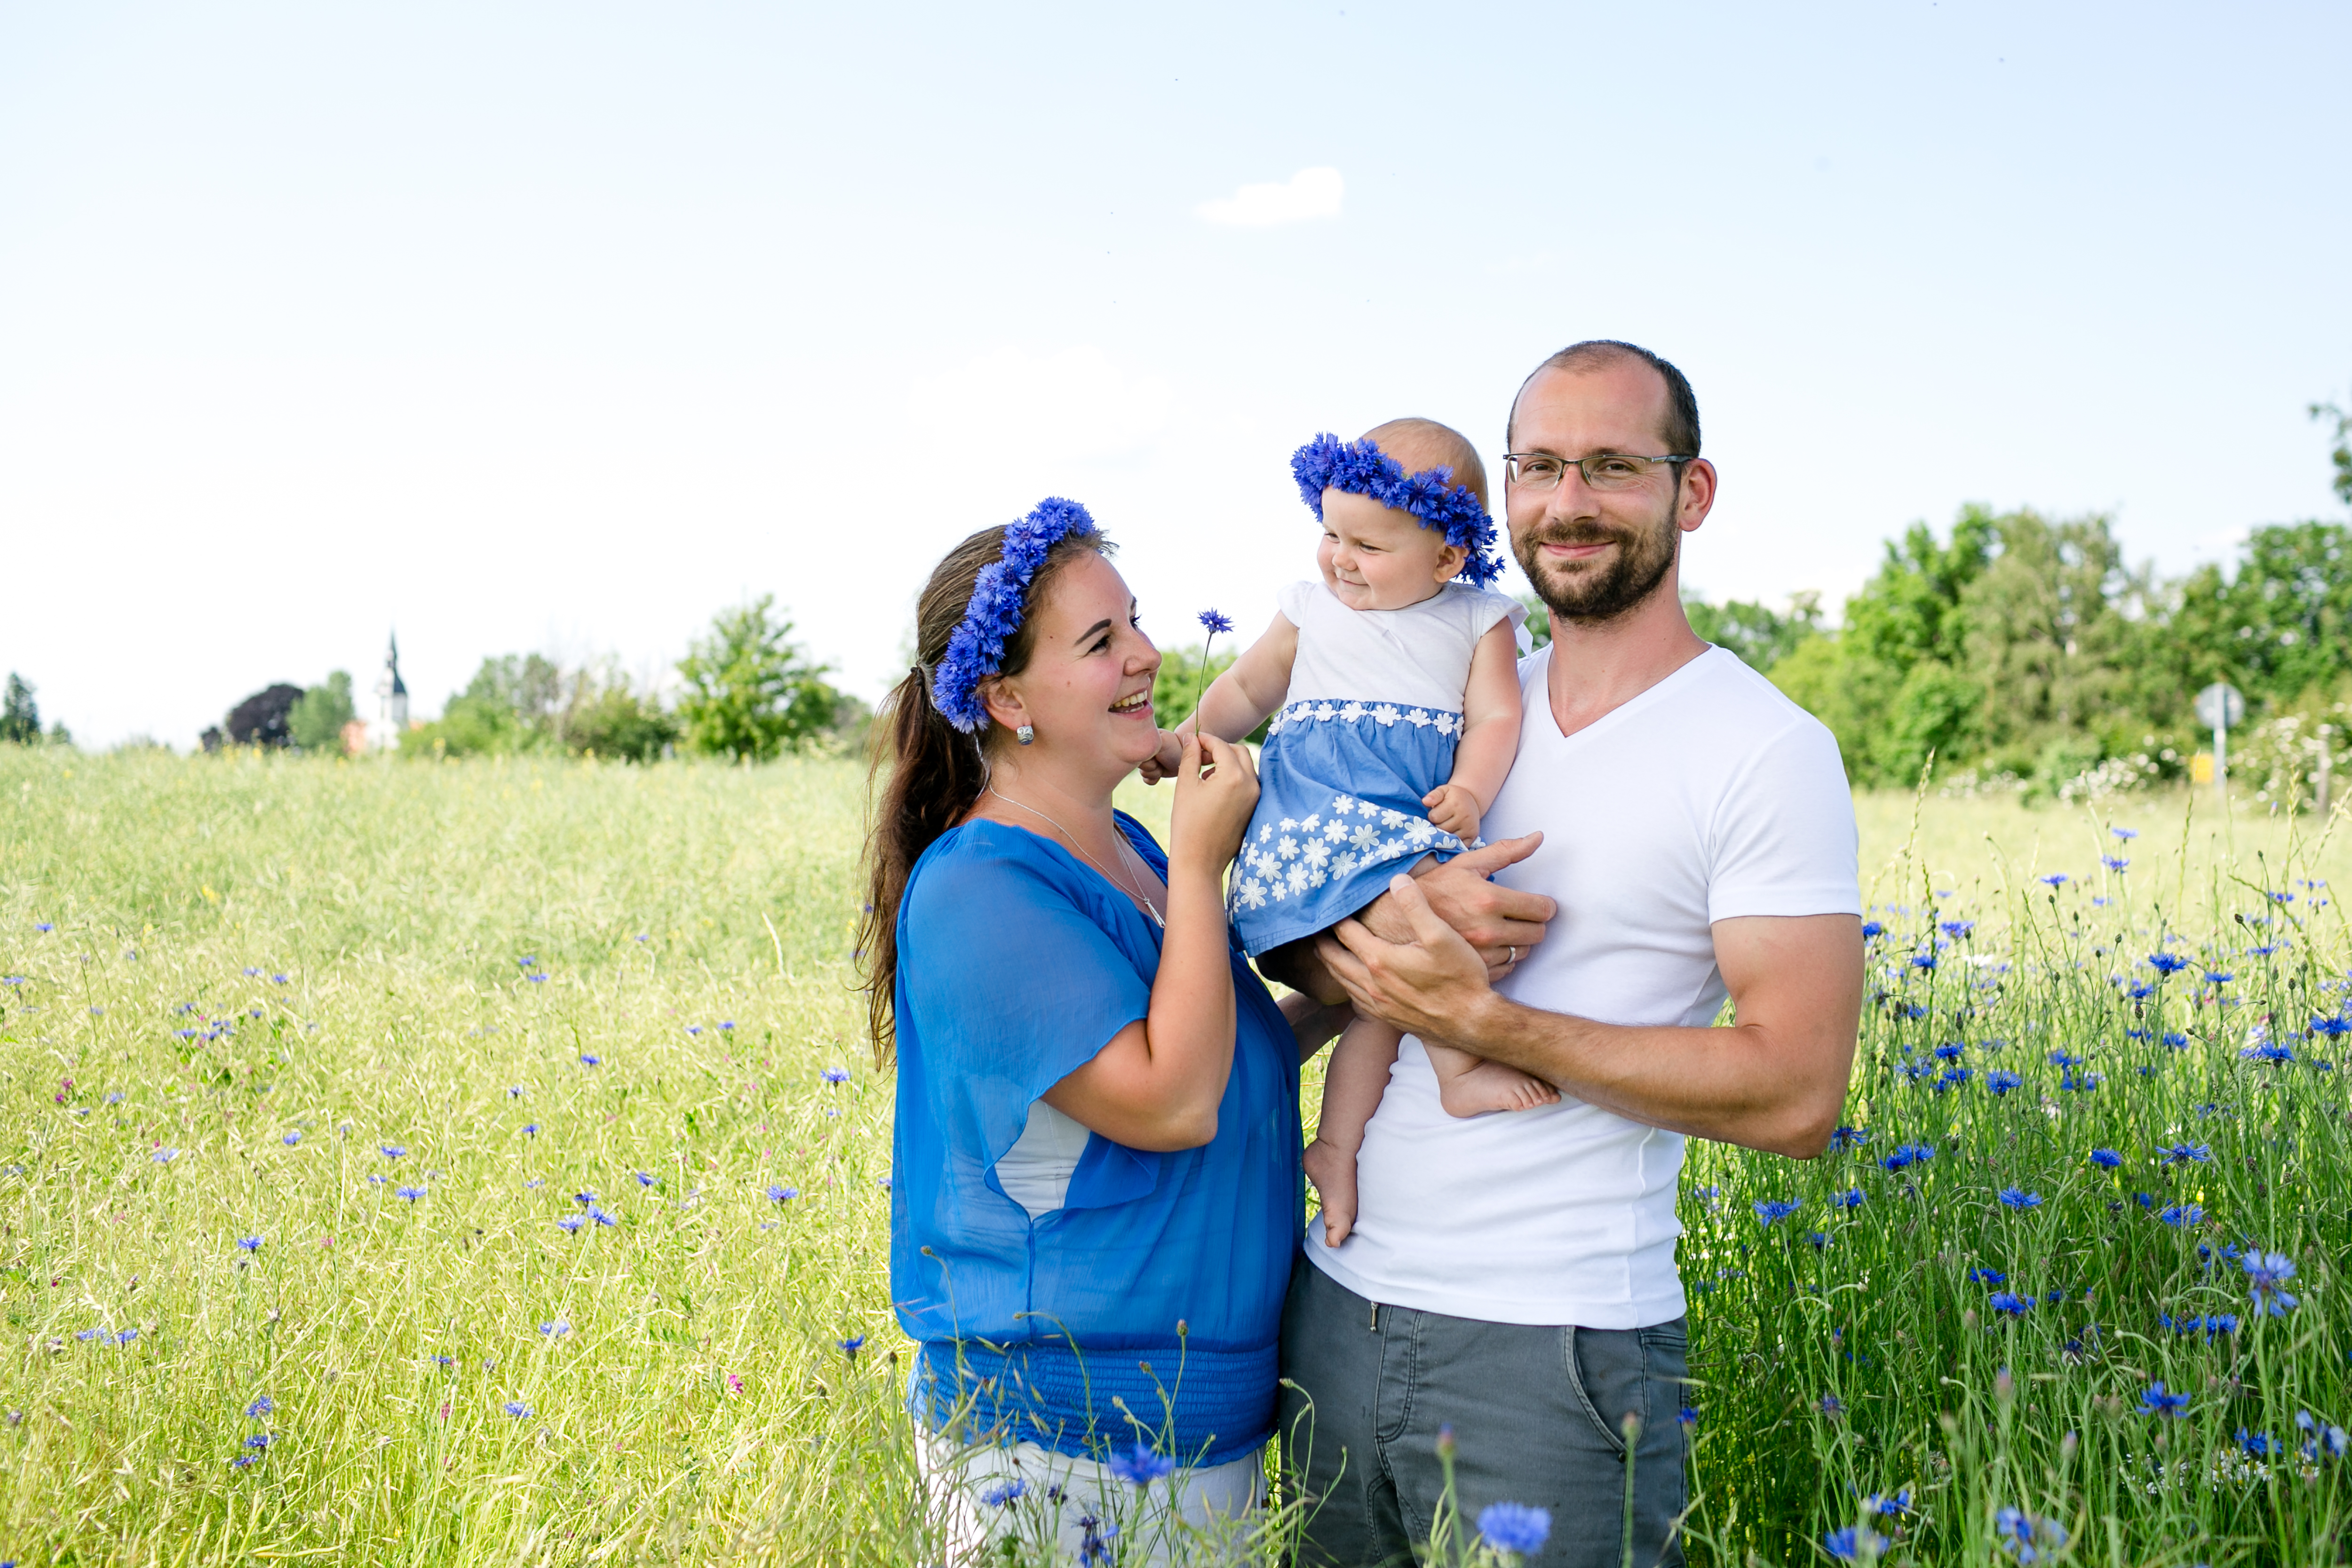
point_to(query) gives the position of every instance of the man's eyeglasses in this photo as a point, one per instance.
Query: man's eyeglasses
(1602, 471)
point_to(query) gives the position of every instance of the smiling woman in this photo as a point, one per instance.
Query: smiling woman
(1096, 1161)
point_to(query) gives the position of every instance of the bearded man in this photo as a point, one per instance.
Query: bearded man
(1688, 833)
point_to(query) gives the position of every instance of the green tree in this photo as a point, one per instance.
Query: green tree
(1761, 638)
(20, 716)
(606, 717)
(751, 691)
(318, 716)
(2279, 626)
(510, 705)
(2342, 456)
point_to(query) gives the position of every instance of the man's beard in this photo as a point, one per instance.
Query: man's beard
(1593, 595)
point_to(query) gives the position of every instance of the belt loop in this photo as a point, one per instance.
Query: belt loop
(1376, 1317)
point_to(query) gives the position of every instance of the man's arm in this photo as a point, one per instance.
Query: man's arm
(1774, 1081)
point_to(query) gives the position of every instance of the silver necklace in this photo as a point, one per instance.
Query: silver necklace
(1134, 887)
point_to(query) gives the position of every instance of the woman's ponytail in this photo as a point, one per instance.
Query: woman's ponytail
(927, 773)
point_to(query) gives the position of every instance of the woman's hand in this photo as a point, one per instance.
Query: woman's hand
(1216, 790)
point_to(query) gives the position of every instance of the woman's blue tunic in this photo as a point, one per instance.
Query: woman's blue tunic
(1158, 1285)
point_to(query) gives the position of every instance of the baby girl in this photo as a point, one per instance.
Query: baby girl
(1395, 698)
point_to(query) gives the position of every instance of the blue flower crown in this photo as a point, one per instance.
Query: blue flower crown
(1362, 469)
(999, 597)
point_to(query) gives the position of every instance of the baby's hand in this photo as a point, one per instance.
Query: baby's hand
(1453, 807)
(1162, 763)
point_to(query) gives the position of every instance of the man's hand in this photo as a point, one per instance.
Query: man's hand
(1428, 986)
(1453, 807)
(1500, 922)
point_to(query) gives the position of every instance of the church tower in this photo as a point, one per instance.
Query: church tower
(390, 703)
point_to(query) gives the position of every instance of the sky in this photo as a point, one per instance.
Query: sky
(562, 327)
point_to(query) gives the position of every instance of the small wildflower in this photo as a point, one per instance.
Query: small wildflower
(2115, 863)
(834, 1075)
(258, 1440)
(530, 1129)
(2105, 1159)
(291, 1139)
(1987, 1277)
(1773, 1212)
(517, 1409)
(2180, 1215)
(391, 1151)
(2155, 1401)
(1854, 1541)
(784, 1194)
(2269, 1272)
(411, 1194)
(572, 1222)
(1141, 1466)
(2019, 1198)
(2188, 1154)
(2010, 1303)
(646, 1180)
(851, 1346)
(1687, 1416)
(1831, 1404)
(259, 1408)
(125, 1336)
(2056, 879)
(1852, 1198)
(1216, 622)
(2000, 1082)
(1515, 1527)
(249, 1243)
(164, 1156)
(1002, 1494)
(555, 1328)
(588, 1061)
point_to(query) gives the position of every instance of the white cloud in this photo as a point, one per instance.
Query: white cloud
(1070, 405)
(1308, 194)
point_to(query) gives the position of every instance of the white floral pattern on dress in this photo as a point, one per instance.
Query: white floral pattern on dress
(1388, 715)
(1292, 858)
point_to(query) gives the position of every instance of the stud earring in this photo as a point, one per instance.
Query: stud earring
(1026, 734)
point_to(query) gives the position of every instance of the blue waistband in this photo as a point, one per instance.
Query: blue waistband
(1200, 1406)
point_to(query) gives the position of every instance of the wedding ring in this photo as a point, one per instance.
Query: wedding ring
(1513, 959)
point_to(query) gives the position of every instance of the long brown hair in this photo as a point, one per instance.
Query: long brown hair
(935, 771)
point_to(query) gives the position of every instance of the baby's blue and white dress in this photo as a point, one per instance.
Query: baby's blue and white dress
(1368, 726)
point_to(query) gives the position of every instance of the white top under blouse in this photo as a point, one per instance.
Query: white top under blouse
(1419, 656)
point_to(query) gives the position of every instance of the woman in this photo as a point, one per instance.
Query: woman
(1097, 1189)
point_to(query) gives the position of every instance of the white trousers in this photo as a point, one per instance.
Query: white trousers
(985, 1493)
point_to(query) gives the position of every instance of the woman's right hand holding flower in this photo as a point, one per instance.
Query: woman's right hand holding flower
(1216, 790)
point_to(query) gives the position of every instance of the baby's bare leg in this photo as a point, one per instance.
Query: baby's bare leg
(1352, 1085)
(1473, 1086)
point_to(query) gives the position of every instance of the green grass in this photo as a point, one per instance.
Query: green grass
(700, 1407)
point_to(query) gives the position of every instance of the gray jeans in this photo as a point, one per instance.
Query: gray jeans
(1537, 1417)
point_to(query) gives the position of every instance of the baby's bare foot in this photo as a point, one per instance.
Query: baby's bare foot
(1333, 1170)
(1491, 1086)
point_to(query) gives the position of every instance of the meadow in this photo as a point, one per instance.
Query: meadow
(483, 1161)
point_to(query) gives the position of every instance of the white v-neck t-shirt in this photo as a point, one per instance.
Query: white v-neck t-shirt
(1708, 797)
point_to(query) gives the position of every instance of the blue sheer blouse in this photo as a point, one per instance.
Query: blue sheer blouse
(1148, 1307)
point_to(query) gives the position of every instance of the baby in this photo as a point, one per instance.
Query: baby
(1395, 697)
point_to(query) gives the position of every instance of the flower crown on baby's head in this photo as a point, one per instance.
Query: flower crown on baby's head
(1000, 597)
(1362, 469)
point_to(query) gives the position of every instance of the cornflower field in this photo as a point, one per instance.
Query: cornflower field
(483, 1163)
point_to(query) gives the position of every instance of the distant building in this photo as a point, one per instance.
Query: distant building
(391, 720)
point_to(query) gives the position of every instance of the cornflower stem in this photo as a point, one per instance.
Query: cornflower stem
(1633, 1430)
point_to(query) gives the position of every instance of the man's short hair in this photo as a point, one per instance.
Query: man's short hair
(1681, 433)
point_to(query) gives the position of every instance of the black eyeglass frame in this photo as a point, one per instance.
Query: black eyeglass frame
(1676, 460)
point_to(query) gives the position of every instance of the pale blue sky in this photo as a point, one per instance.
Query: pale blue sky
(564, 325)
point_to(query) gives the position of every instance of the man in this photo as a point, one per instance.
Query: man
(1512, 1275)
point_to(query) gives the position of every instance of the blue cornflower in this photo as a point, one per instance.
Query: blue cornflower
(1870, 929)
(1851, 1198)
(588, 1061)
(411, 1194)
(291, 1139)
(586, 1199)
(1849, 1136)
(2175, 1039)
(601, 1217)
(530, 1129)
(2056, 879)
(2257, 1444)
(2000, 1083)
(2218, 977)
(2330, 1027)
(1000, 1494)
(1831, 1404)
(725, 1025)
(1216, 622)
(694, 1028)
(784, 1194)
(391, 1151)
(2009, 1302)
(124, 1336)
(164, 1156)
(45, 925)
(852, 1345)
(537, 977)
(2178, 1215)
(241, 1461)
(259, 1408)
(536, 1182)
(279, 980)
(249, 1243)
(258, 1440)
(1882, 1506)
(1687, 1416)
(2019, 1198)
(2028, 1538)
(2105, 1159)
(1141, 1466)
(2126, 834)
(646, 1179)
(572, 1221)
(1771, 1212)
(1923, 961)
(1850, 1543)
(834, 1075)
(1956, 929)
(2269, 1272)
(2167, 963)
(2115, 863)
(1987, 1277)
(87, 1334)
(1950, 1052)
(1515, 1527)
(555, 1328)
(517, 1409)
(2269, 1051)
(2183, 1154)
(514, 1091)
(445, 1361)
